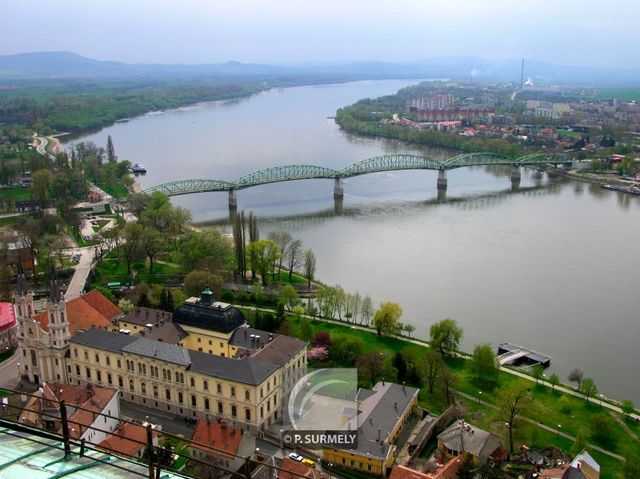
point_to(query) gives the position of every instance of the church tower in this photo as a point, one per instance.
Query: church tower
(24, 309)
(59, 332)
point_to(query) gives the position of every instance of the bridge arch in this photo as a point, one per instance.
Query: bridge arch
(392, 162)
(186, 187)
(279, 174)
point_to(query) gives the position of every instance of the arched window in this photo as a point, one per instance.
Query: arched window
(233, 411)
(180, 398)
(193, 401)
(131, 384)
(247, 414)
(206, 404)
(167, 394)
(155, 391)
(143, 388)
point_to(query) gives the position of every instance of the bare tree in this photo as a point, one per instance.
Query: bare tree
(433, 365)
(366, 310)
(293, 256)
(132, 245)
(575, 376)
(309, 266)
(254, 235)
(282, 239)
(512, 403)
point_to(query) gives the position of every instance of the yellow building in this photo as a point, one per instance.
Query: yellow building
(382, 413)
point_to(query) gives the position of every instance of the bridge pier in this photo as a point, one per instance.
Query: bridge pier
(337, 205)
(338, 188)
(442, 179)
(233, 201)
(442, 194)
(516, 174)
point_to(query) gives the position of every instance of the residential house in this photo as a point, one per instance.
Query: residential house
(461, 439)
(129, 440)
(446, 471)
(583, 466)
(222, 444)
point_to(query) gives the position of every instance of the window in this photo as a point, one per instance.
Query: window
(167, 394)
(144, 369)
(180, 397)
(131, 384)
(108, 360)
(155, 391)
(88, 371)
(233, 391)
(261, 412)
(247, 395)
(210, 343)
(97, 359)
(219, 388)
(192, 381)
(205, 385)
(98, 376)
(109, 379)
(181, 378)
(77, 370)
(193, 401)
(199, 340)
(86, 356)
(34, 360)
(75, 352)
(206, 404)
(247, 414)
(120, 381)
(119, 364)
(143, 388)
(220, 407)
(221, 345)
(56, 361)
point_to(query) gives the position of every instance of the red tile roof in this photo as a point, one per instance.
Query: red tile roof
(127, 440)
(298, 469)
(221, 437)
(91, 310)
(7, 316)
(448, 471)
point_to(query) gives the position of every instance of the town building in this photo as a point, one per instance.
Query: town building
(382, 412)
(583, 466)
(8, 326)
(445, 471)
(43, 338)
(219, 443)
(129, 440)
(462, 439)
(290, 469)
(92, 412)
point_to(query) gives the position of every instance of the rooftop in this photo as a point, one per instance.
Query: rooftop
(220, 436)
(143, 316)
(207, 314)
(128, 439)
(7, 316)
(461, 436)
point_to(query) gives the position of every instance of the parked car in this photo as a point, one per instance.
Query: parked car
(296, 457)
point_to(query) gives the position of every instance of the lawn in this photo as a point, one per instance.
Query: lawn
(295, 278)
(570, 134)
(18, 194)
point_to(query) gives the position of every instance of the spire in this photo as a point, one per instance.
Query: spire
(54, 293)
(206, 296)
(22, 282)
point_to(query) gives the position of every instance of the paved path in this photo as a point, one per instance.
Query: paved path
(76, 286)
(542, 426)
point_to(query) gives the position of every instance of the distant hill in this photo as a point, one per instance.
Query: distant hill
(67, 65)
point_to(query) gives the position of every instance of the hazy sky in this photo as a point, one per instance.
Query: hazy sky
(574, 32)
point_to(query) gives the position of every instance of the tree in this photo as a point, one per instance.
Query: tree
(602, 429)
(196, 281)
(289, 296)
(628, 407)
(152, 243)
(433, 367)
(254, 236)
(239, 244)
(484, 364)
(40, 184)
(554, 380)
(445, 335)
(537, 372)
(306, 332)
(467, 468)
(408, 328)
(282, 239)
(448, 381)
(107, 293)
(111, 152)
(575, 376)
(166, 300)
(513, 402)
(206, 250)
(263, 253)
(374, 366)
(132, 246)
(366, 310)
(309, 266)
(589, 388)
(321, 339)
(385, 320)
(580, 443)
(293, 256)
(345, 349)
(632, 464)
(125, 305)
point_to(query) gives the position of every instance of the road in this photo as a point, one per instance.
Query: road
(79, 279)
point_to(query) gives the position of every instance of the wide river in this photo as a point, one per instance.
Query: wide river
(552, 265)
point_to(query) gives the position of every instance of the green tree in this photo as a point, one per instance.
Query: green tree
(309, 266)
(628, 407)
(196, 281)
(408, 328)
(385, 320)
(445, 335)
(289, 296)
(580, 443)
(602, 429)
(554, 380)
(589, 388)
(484, 364)
(263, 254)
(513, 403)
(433, 365)
(132, 245)
(40, 184)
(537, 372)
(306, 332)
(125, 305)
(375, 366)
(107, 293)
(153, 243)
(207, 250)
(345, 349)
(632, 464)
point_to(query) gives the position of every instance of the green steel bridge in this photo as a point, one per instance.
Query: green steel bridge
(391, 162)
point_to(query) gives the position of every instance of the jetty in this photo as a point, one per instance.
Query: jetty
(516, 355)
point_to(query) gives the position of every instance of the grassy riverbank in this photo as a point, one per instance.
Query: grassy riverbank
(603, 428)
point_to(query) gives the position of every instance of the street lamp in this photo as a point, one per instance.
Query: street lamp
(479, 396)
(558, 431)
(601, 398)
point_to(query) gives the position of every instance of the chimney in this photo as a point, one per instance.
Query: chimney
(371, 420)
(379, 435)
(245, 333)
(395, 405)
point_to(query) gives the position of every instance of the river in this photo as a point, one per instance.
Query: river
(551, 265)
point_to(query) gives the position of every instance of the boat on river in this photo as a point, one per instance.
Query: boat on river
(138, 168)
(631, 190)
